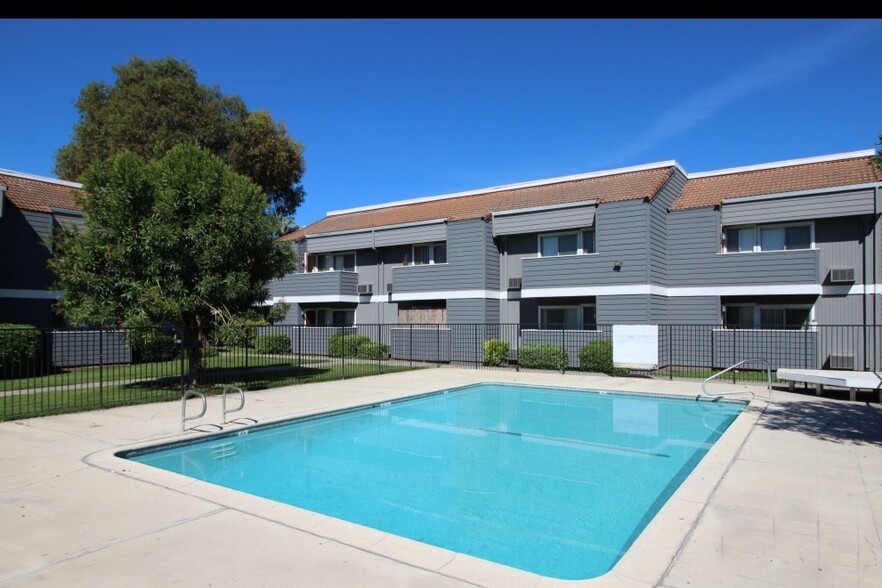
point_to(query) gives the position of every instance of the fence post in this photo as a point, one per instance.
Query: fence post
(734, 345)
(476, 345)
(183, 353)
(101, 367)
(438, 345)
(410, 353)
(342, 355)
(670, 352)
(299, 352)
(518, 349)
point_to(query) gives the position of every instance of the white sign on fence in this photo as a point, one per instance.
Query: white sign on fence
(635, 346)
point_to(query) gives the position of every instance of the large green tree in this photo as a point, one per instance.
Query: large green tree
(154, 105)
(175, 239)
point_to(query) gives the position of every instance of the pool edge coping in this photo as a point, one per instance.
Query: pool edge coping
(645, 563)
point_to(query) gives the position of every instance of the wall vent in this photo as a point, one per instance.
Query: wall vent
(514, 283)
(365, 288)
(842, 275)
(841, 361)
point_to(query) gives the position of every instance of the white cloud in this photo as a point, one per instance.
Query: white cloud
(796, 61)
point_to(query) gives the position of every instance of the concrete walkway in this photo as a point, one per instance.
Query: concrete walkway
(790, 496)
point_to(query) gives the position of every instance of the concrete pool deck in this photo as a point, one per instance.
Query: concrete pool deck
(790, 496)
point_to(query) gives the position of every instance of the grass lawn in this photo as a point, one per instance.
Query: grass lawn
(220, 373)
(702, 373)
(143, 371)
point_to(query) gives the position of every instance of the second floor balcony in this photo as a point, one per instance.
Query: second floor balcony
(327, 283)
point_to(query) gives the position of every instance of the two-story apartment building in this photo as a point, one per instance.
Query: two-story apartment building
(776, 247)
(31, 210)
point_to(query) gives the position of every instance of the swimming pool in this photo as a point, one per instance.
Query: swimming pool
(553, 481)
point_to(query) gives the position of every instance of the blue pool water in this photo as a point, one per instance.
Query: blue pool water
(552, 481)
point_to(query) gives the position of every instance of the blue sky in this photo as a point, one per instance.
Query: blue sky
(395, 109)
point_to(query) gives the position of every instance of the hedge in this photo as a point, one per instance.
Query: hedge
(495, 352)
(370, 350)
(19, 344)
(544, 356)
(597, 356)
(345, 344)
(273, 343)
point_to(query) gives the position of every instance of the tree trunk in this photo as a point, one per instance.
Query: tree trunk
(192, 338)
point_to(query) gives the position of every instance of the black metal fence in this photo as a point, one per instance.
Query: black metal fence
(47, 372)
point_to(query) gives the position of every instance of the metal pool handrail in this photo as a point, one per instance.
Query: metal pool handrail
(718, 395)
(184, 417)
(224, 410)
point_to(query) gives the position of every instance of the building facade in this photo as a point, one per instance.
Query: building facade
(780, 245)
(32, 208)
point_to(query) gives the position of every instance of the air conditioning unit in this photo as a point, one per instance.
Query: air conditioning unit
(843, 275)
(514, 283)
(841, 361)
(389, 288)
(365, 288)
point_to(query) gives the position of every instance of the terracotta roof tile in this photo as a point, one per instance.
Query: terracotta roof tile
(711, 190)
(39, 195)
(611, 188)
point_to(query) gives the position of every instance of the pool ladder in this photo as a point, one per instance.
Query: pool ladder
(716, 396)
(224, 410)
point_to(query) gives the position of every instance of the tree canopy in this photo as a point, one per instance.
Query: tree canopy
(154, 105)
(176, 238)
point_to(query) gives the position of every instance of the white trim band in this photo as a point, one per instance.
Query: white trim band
(24, 176)
(580, 204)
(516, 186)
(447, 295)
(785, 163)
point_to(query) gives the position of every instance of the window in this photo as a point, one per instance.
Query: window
(568, 317)
(429, 253)
(329, 262)
(328, 317)
(766, 316)
(568, 243)
(767, 238)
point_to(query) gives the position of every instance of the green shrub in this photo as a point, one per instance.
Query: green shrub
(346, 344)
(544, 356)
(273, 343)
(597, 356)
(148, 342)
(370, 350)
(495, 352)
(238, 332)
(19, 344)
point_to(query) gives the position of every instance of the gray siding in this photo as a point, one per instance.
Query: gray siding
(77, 348)
(411, 235)
(573, 217)
(316, 284)
(347, 242)
(787, 349)
(658, 308)
(472, 310)
(799, 208)
(658, 227)
(377, 238)
(841, 243)
(71, 221)
(619, 234)
(694, 258)
(472, 263)
(692, 310)
(25, 243)
(632, 308)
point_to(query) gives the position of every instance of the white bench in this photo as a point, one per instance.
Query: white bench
(854, 381)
